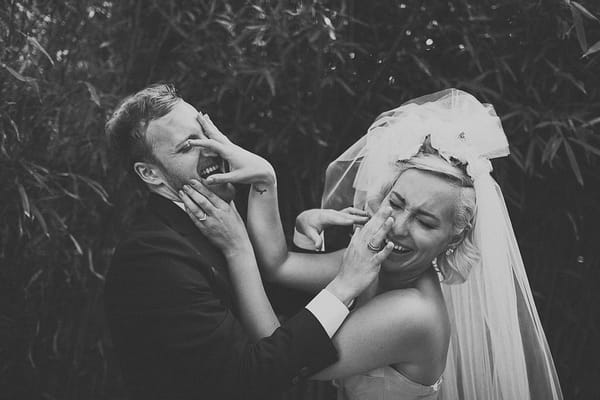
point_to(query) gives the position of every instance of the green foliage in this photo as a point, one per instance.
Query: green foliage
(295, 81)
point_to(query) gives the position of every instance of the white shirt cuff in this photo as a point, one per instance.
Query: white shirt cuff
(329, 310)
(306, 243)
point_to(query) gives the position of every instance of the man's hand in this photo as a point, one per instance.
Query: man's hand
(311, 223)
(245, 167)
(360, 264)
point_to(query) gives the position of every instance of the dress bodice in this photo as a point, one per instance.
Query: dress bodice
(384, 384)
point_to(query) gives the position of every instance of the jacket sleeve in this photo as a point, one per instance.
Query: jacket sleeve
(175, 335)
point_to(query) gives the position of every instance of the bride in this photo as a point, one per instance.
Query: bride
(451, 315)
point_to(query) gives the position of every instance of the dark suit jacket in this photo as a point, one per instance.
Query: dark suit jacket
(169, 306)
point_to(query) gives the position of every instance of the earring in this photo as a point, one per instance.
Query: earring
(449, 251)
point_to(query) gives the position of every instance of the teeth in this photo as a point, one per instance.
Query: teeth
(397, 247)
(208, 170)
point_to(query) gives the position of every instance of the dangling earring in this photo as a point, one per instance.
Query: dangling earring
(449, 251)
(434, 263)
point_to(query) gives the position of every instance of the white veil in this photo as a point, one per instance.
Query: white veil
(498, 349)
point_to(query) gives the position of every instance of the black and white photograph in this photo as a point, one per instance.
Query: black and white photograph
(299, 200)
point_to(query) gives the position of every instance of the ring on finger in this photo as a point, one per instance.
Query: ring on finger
(202, 217)
(374, 248)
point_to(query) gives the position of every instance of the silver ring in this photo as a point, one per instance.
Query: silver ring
(203, 218)
(374, 248)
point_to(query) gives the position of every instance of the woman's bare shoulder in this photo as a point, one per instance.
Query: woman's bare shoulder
(414, 320)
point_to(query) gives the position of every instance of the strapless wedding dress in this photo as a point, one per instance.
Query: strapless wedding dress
(384, 384)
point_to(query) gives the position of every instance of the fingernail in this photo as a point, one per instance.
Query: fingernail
(187, 188)
(180, 193)
(194, 182)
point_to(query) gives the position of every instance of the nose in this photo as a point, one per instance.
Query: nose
(400, 227)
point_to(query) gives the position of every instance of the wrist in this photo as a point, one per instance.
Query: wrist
(242, 249)
(267, 178)
(343, 292)
(265, 184)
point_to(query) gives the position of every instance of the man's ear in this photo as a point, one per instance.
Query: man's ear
(148, 173)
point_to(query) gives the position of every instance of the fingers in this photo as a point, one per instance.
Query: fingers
(210, 144)
(384, 253)
(192, 208)
(314, 235)
(342, 218)
(378, 219)
(355, 211)
(210, 129)
(378, 239)
(231, 177)
(198, 188)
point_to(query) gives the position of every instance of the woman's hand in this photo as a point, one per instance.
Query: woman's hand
(245, 167)
(311, 223)
(217, 220)
(363, 257)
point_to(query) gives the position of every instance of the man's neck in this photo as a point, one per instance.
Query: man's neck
(166, 192)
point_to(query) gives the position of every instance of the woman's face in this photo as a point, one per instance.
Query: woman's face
(423, 207)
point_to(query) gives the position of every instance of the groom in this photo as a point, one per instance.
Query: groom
(168, 298)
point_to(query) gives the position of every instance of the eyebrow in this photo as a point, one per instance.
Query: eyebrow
(418, 210)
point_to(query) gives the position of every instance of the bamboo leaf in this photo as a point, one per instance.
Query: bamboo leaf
(91, 266)
(592, 49)
(93, 93)
(422, 65)
(573, 162)
(578, 21)
(345, 86)
(99, 189)
(16, 128)
(41, 220)
(551, 148)
(24, 200)
(270, 81)
(17, 75)
(592, 122)
(584, 11)
(586, 146)
(76, 244)
(37, 44)
(32, 280)
(26, 79)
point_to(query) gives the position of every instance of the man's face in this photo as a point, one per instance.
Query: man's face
(179, 163)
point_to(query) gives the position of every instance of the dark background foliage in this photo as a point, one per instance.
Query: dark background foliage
(297, 82)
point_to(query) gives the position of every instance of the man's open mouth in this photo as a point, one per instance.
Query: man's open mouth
(215, 166)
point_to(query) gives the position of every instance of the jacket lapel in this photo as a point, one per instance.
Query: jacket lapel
(210, 259)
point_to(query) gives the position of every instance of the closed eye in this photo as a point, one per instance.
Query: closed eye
(395, 205)
(186, 147)
(426, 224)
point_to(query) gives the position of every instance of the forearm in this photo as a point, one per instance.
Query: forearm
(255, 311)
(265, 229)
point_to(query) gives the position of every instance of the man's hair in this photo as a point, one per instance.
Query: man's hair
(126, 128)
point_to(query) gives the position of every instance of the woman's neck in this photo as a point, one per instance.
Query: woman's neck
(398, 280)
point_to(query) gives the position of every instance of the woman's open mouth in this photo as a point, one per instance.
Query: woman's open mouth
(398, 248)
